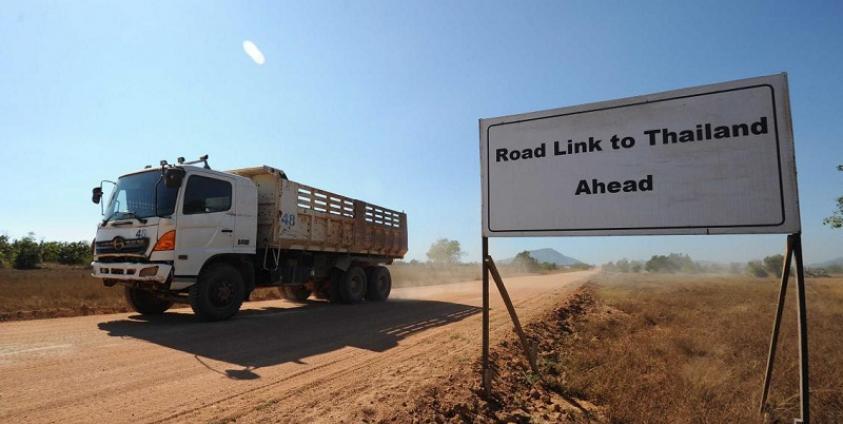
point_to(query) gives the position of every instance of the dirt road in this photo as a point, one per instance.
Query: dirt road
(276, 361)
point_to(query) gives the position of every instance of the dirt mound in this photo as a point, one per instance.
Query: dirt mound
(518, 395)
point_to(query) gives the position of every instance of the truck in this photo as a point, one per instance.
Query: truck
(185, 233)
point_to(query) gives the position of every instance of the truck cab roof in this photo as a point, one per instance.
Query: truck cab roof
(258, 170)
(244, 173)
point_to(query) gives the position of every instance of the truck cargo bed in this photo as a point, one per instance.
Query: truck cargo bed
(294, 216)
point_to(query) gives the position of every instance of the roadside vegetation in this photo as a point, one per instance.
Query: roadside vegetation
(694, 349)
(659, 348)
(835, 220)
(678, 263)
(27, 253)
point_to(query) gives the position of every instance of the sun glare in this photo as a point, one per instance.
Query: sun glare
(254, 52)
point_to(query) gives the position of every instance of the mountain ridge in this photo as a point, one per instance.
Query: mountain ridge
(549, 255)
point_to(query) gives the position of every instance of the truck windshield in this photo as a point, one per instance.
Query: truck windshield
(135, 197)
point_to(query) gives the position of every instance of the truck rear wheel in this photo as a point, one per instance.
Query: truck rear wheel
(295, 293)
(218, 294)
(353, 285)
(380, 284)
(145, 302)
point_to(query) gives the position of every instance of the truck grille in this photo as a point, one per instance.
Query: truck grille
(120, 246)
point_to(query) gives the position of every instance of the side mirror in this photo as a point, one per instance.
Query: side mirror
(173, 177)
(96, 195)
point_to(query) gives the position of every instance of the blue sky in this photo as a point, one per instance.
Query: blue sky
(380, 100)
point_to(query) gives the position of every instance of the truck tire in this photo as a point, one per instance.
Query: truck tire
(218, 294)
(326, 289)
(379, 284)
(145, 302)
(295, 293)
(353, 285)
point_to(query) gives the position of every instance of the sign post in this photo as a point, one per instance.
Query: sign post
(714, 159)
(793, 249)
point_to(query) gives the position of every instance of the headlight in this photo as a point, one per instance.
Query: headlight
(149, 271)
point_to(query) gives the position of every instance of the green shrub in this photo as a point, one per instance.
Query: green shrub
(50, 251)
(6, 251)
(773, 265)
(74, 253)
(526, 262)
(674, 262)
(757, 269)
(549, 266)
(27, 253)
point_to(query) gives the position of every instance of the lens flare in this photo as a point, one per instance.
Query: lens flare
(254, 52)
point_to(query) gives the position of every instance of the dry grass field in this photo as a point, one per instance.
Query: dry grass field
(59, 291)
(55, 291)
(668, 348)
(659, 348)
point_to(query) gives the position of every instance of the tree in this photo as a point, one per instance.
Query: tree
(836, 218)
(50, 251)
(675, 262)
(445, 251)
(74, 253)
(6, 251)
(27, 253)
(773, 264)
(658, 263)
(525, 261)
(757, 269)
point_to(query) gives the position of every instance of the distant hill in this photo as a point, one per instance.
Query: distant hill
(828, 263)
(550, 255)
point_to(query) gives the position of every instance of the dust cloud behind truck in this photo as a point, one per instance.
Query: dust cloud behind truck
(182, 233)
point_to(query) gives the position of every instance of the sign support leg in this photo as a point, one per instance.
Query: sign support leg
(525, 344)
(486, 372)
(804, 386)
(774, 338)
(794, 248)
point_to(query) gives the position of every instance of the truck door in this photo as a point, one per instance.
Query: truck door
(205, 225)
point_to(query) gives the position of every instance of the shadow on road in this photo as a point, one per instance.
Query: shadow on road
(258, 338)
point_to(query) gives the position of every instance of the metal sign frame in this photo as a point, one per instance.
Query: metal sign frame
(792, 226)
(685, 200)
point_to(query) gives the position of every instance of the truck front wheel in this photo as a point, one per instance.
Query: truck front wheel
(145, 302)
(218, 294)
(353, 285)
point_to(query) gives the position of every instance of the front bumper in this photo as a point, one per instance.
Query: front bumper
(130, 271)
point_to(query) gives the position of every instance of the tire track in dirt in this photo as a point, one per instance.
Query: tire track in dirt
(423, 347)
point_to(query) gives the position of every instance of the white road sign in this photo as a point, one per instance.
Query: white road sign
(715, 159)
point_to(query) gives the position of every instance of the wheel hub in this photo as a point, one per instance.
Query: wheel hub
(222, 293)
(356, 285)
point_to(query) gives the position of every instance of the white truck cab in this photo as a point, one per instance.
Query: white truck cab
(186, 233)
(210, 213)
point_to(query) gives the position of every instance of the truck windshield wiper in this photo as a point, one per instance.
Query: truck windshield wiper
(124, 215)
